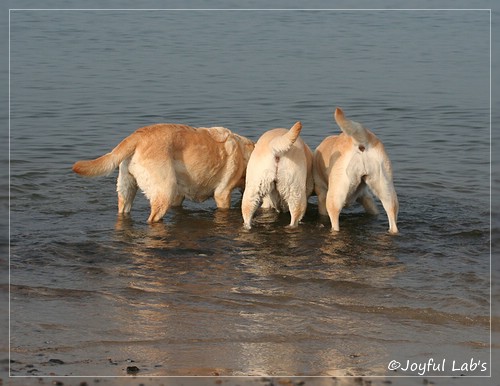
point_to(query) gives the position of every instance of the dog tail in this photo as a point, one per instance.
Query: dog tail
(280, 145)
(105, 164)
(351, 128)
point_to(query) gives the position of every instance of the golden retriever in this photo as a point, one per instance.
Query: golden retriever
(279, 175)
(345, 166)
(170, 162)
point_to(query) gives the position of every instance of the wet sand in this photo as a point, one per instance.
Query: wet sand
(131, 372)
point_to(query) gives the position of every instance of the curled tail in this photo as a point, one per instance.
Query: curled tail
(280, 145)
(351, 128)
(105, 164)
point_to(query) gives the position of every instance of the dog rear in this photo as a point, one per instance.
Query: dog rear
(355, 130)
(279, 174)
(281, 144)
(345, 166)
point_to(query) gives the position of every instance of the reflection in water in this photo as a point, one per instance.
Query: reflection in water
(204, 290)
(200, 295)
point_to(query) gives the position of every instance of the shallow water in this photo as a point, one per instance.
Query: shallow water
(198, 294)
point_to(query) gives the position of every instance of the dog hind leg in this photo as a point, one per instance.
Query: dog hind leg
(333, 208)
(366, 199)
(158, 181)
(271, 201)
(386, 193)
(338, 190)
(253, 196)
(126, 187)
(178, 200)
(298, 206)
(321, 191)
(250, 202)
(159, 207)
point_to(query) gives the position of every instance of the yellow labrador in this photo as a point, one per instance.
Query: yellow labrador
(345, 166)
(170, 162)
(279, 175)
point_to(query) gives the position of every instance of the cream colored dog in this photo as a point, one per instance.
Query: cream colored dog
(279, 175)
(171, 162)
(345, 166)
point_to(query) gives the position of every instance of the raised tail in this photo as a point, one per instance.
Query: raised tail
(351, 128)
(280, 145)
(105, 164)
